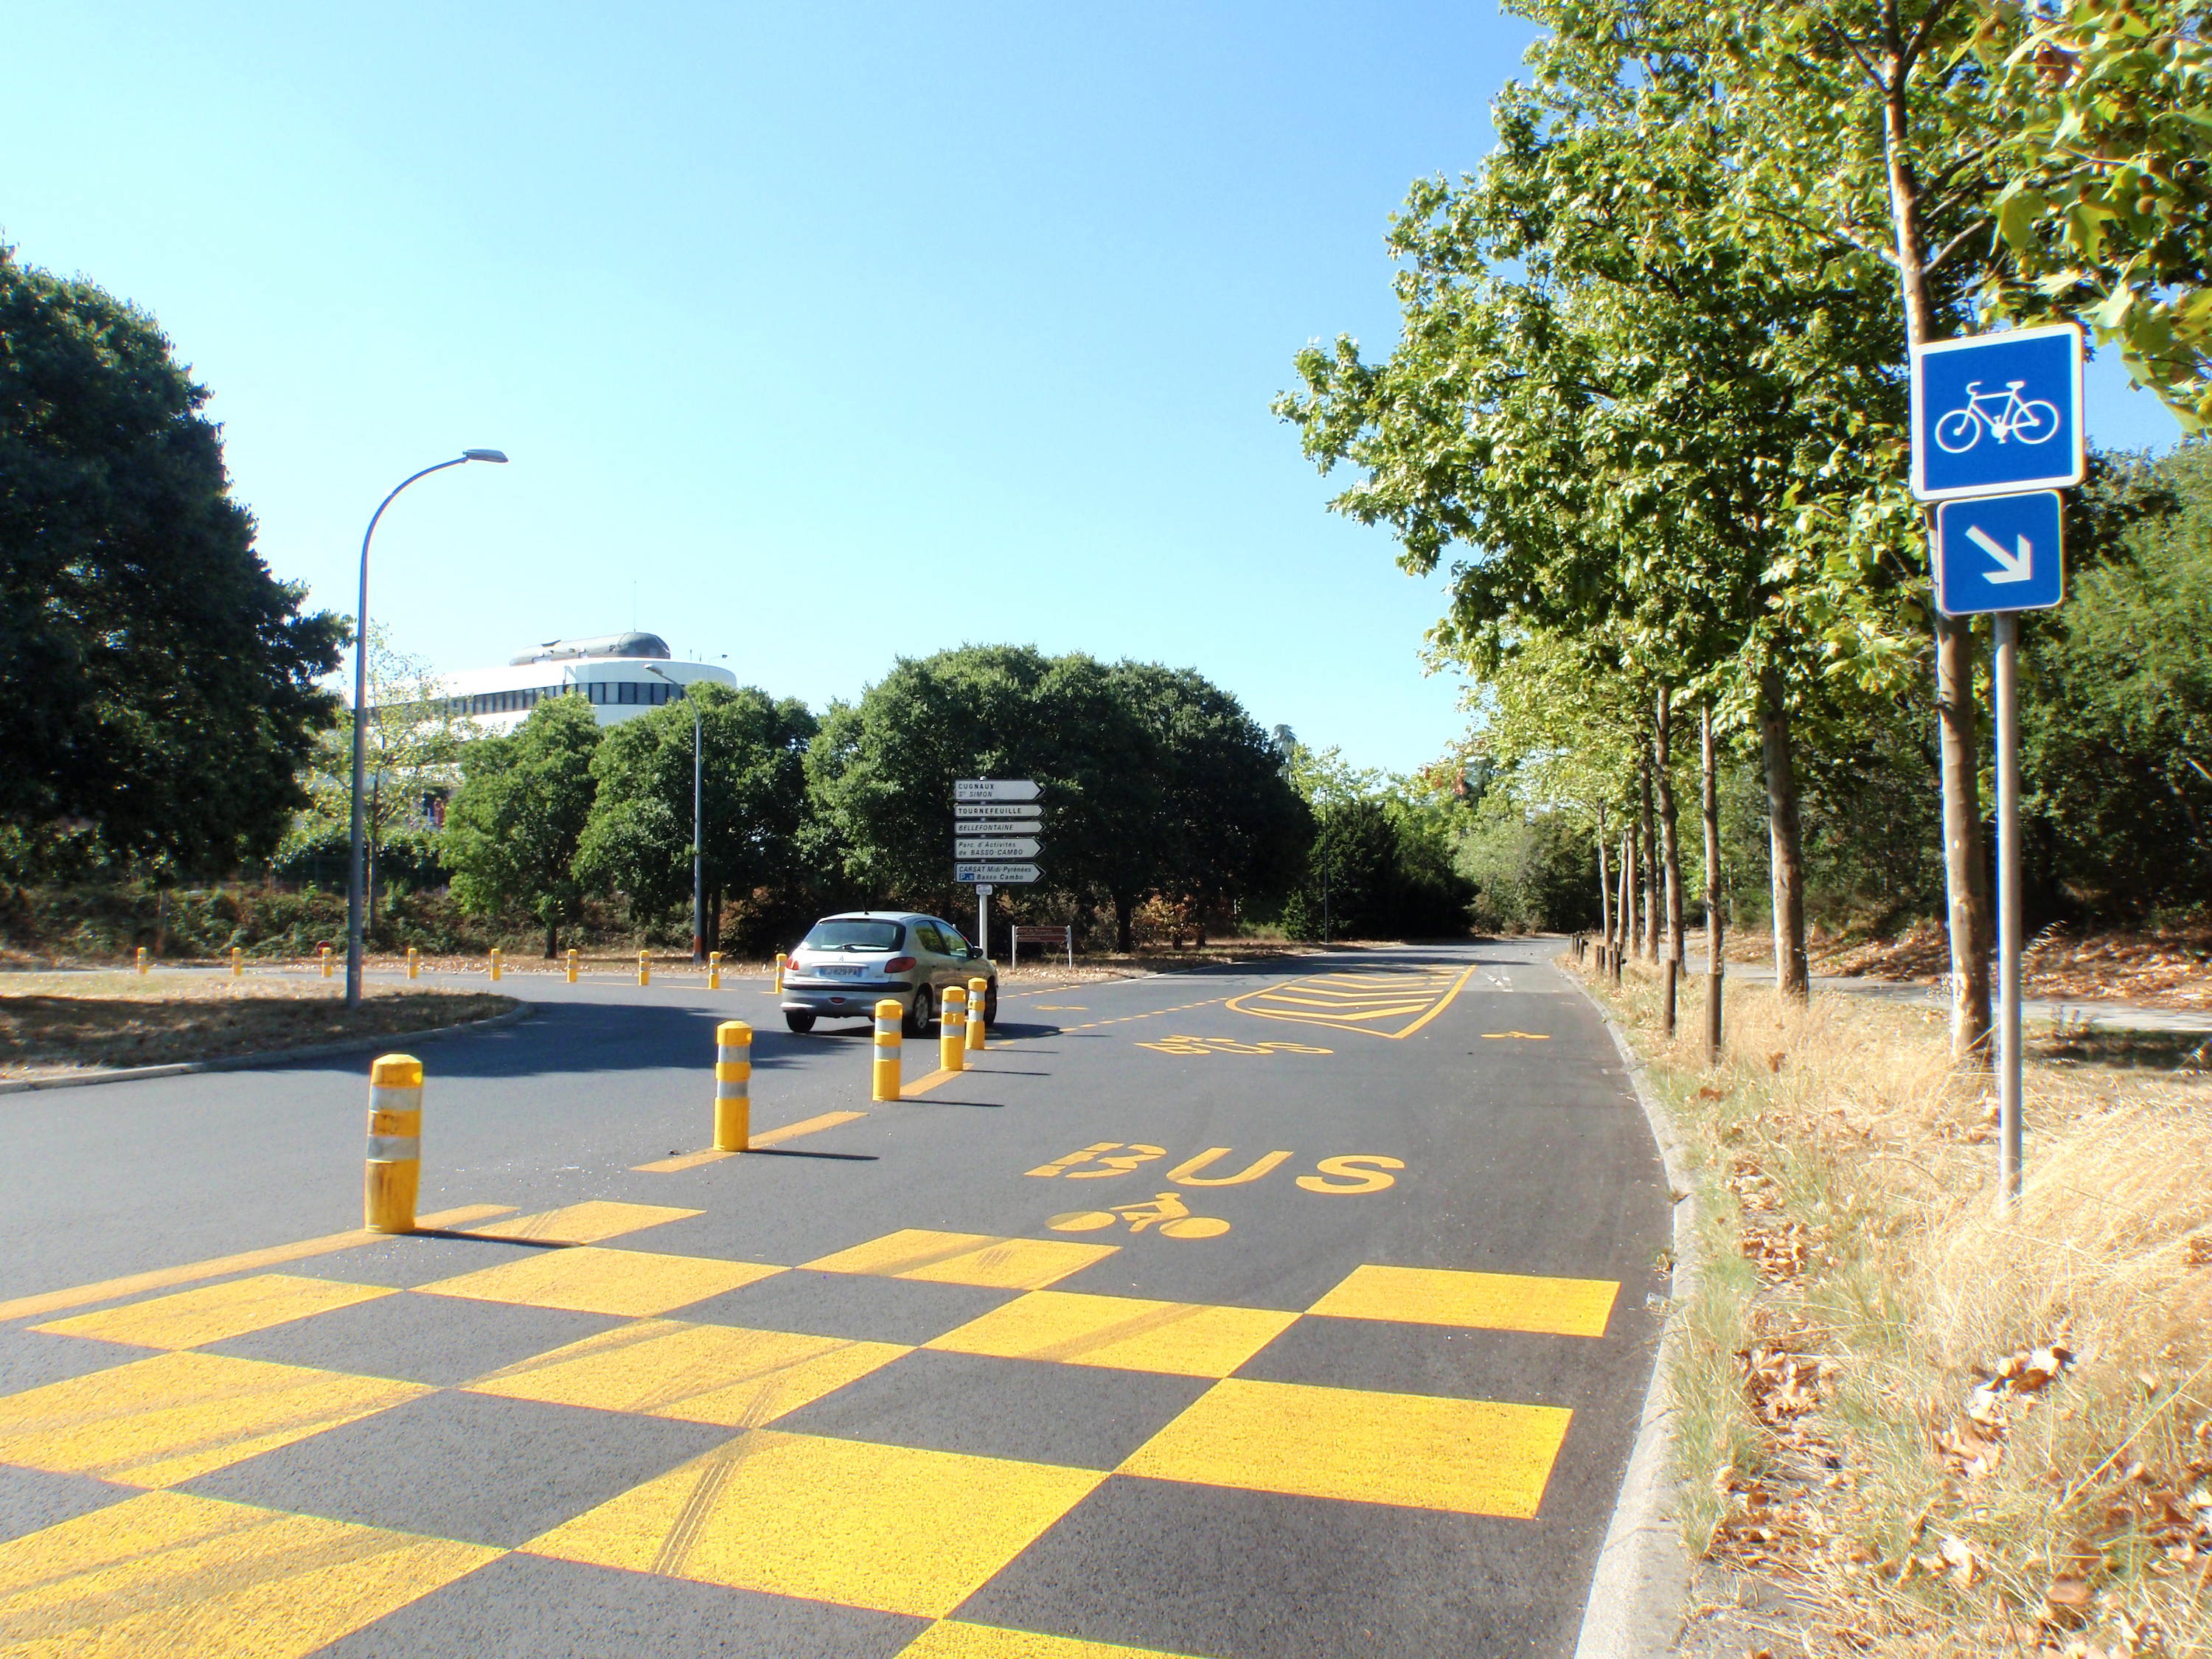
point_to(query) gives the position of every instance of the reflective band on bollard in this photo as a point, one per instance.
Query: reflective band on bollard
(395, 1144)
(780, 959)
(644, 970)
(734, 1086)
(979, 991)
(715, 971)
(888, 1017)
(571, 967)
(952, 1031)
(414, 963)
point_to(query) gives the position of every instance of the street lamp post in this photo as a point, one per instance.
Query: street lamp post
(698, 847)
(355, 840)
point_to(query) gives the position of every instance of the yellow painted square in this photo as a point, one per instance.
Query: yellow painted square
(164, 1576)
(1483, 1302)
(636, 1283)
(950, 1639)
(161, 1421)
(584, 1224)
(1185, 1339)
(216, 1311)
(1009, 1264)
(697, 1373)
(1467, 1456)
(890, 1527)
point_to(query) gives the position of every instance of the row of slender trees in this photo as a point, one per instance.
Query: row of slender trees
(1648, 395)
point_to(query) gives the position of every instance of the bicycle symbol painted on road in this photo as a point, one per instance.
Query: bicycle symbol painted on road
(1167, 1210)
(2003, 415)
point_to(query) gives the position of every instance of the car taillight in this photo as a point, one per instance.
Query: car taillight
(900, 964)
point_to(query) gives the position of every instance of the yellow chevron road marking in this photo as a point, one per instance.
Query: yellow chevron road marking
(1423, 994)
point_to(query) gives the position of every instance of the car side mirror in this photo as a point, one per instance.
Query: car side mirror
(975, 953)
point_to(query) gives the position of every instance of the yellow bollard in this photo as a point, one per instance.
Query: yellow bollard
(571, 967)
(952, 1030)
(326, 962)
(141, 961)
(496, 962)
(395, 1144)
(713, 970)
(237, 962)
(889, 1017)
(978, 992)
(780, 959)
(644, 970)
(414, 962)
(734, 1087)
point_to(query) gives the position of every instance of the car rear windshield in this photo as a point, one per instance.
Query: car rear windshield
(853, 935)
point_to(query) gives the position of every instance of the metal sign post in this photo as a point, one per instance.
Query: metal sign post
(1995, 419)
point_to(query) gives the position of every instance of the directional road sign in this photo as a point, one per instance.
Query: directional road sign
(993, 789)
(1999, 553)
(1010, 874)
(1997, 413)
(986, 813)
(995, 846)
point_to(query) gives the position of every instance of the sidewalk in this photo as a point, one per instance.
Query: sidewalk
(2084, 1011)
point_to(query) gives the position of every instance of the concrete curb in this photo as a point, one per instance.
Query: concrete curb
(521, 1010)
(1642, 1585)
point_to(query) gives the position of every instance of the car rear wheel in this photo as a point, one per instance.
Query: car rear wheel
(919, 1012)
(991, 1005)
(800, 1023)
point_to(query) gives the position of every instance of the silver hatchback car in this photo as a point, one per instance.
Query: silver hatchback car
(848, 962)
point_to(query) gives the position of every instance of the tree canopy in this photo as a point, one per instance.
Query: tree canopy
(160, 684)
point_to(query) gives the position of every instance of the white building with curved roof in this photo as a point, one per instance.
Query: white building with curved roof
(621, 675)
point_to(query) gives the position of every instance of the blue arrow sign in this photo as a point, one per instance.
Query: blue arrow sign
(1997, 413)
(1999, 553)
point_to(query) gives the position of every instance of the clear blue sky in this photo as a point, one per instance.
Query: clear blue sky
(839, 332)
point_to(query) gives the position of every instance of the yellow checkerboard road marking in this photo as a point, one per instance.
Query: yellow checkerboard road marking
(161, 1421)
(1466, 1456)
(214, 1312)
(1185, 1339)
(698, 1373)
(890, 1527)
(590, 1223)
(163, 1574)
(1008, 1264)
(1484, 1302)
(950, 1639)
(637, 1283)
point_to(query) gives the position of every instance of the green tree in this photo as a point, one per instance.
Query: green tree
(159, 682)
(753, 797)
(513, 827)
(414, 742)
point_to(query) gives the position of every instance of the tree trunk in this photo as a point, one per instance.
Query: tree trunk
(1649, 938)
(1965, 878)
(1662, 778)
(1604, 888)
(1124, 932)
(1626, 941)
(1710, 790)
(552, 940)
(1790, 976)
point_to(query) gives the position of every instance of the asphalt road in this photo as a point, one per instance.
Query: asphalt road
(1287, 1310)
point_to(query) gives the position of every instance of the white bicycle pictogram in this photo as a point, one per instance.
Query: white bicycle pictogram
(2005, 415)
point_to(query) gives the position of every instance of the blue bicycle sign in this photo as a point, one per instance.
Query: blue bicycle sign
(2004, 416)
(1997, 413)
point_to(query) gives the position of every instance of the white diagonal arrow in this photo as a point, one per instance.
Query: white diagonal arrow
(2011, 567)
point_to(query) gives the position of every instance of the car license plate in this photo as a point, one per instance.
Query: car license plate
(841, 973)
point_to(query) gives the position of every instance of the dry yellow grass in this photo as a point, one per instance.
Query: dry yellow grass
(53, 1024)
(1940, 1432)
